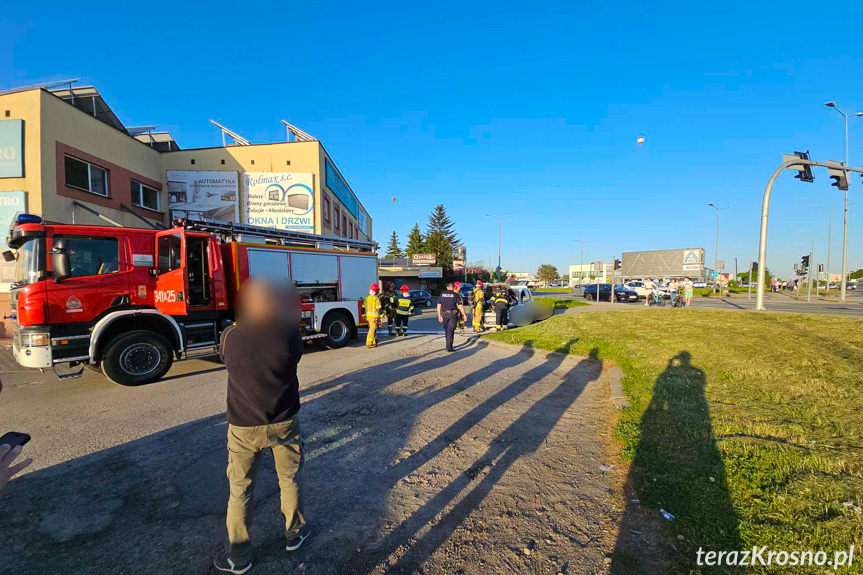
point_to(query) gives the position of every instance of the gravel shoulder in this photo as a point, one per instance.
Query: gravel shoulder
(483, 461)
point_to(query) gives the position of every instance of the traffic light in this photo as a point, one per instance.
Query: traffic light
(820, 268)
(804, 262)
(754, 267)
(617, 264)
(804, 173)
(839, 176)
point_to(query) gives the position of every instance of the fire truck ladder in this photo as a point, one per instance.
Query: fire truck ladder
(230, 231)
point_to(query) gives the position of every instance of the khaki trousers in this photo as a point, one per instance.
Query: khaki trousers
(372, 338)
(245, 445)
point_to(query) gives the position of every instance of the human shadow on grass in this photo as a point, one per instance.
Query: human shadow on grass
(677, 467)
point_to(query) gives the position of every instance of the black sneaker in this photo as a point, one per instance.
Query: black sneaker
(227, 565)
(296, 541)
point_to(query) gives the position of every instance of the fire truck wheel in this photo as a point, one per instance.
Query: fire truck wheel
(337, 328)
(137, 358)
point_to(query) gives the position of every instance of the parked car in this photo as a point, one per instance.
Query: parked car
(577, 290)
(621, 293)
(465, 292)
(704, 285)
(851, 285)
(421, 298)
(643, 291)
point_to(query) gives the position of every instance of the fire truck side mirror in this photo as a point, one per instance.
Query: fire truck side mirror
(154, 272)
(8, 256)
(60, 261)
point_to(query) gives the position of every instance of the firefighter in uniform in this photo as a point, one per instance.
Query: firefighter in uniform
(388, 300)
(404, 309)
(477, 306)
(461, 319)
(372, 305)
(501, 307)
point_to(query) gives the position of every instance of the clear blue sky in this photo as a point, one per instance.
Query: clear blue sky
(511, 108)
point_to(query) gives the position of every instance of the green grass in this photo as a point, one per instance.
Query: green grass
(560, 303)
(768, 405)
(553, 289)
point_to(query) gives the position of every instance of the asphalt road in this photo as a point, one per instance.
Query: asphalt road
(417, 460)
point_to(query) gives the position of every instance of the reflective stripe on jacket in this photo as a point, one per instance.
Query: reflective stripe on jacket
(372, 305)
(404, 306)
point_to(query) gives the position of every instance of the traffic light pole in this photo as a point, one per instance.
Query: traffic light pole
(809, 280)
(749, 295)
(765, 212)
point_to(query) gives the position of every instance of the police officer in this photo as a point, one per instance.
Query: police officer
(500, 301)
(478, 306)
(404, 309)
(388, 300)
(372, 305)
(449, 310)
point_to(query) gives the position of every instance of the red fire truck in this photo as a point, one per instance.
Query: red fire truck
(128, 301)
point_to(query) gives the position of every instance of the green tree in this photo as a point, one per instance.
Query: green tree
(416, 242)
(856, 275)
(393, 249)
(441, 238)
(547, 273)
(439, 222)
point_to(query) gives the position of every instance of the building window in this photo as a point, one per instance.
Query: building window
(145, 196)
(326, 209)
(92, 255)
(345, 224)
(351, 233)
(193, 162)
(86, 176)
(288, 163)
(336, 223)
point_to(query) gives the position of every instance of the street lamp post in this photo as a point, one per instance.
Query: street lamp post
(500, 220)
(829, 240)
(845, 226)
(716, 246)
(809, 269)
(581, 263)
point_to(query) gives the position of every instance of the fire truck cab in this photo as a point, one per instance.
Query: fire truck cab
(128, 301)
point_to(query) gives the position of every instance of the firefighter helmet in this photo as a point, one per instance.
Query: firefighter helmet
(374, 287)
(391, 286)
(478, 284)
(404, 289)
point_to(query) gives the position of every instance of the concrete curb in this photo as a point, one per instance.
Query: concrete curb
(618, 397)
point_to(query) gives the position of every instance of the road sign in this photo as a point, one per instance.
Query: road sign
(714, 274)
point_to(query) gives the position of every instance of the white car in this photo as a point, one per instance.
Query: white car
(643, 291)
(523, 311)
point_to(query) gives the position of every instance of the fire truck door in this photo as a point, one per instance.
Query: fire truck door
(171, 287)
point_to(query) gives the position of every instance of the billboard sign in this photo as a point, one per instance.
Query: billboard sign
(663, 263)
(337, 184)
(363, 221)
(203, 194)
(423, 259)
(430, 274)
(11, 203)
(281, 200)
(11, 148)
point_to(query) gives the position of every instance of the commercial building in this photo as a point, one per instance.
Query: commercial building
(66, 156)
(588, 273)
(404, 271)
(677, 263)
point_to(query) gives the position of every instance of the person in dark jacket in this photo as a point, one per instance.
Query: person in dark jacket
(261, 353)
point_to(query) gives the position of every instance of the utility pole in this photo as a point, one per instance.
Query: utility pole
(716, 246)
(581, 263)
(749, 294)
(500, 220)
(809, 279)
(843, 286)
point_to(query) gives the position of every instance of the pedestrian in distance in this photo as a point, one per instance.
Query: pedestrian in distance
(261, 352)
(687, 291)
(672, 291)
(404, 309)
(449, 311)
(372, 306)
(649, 286)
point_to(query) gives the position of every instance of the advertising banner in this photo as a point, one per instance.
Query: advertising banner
(203, 194)
(11, 203)
(11, 148)
(281, 200)
(363, 221)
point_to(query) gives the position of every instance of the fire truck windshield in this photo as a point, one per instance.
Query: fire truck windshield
(30, 266)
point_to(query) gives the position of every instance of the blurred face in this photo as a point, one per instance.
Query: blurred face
(268, 302)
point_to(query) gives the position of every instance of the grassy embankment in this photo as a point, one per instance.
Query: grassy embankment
(770, 406)
(560, 303)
